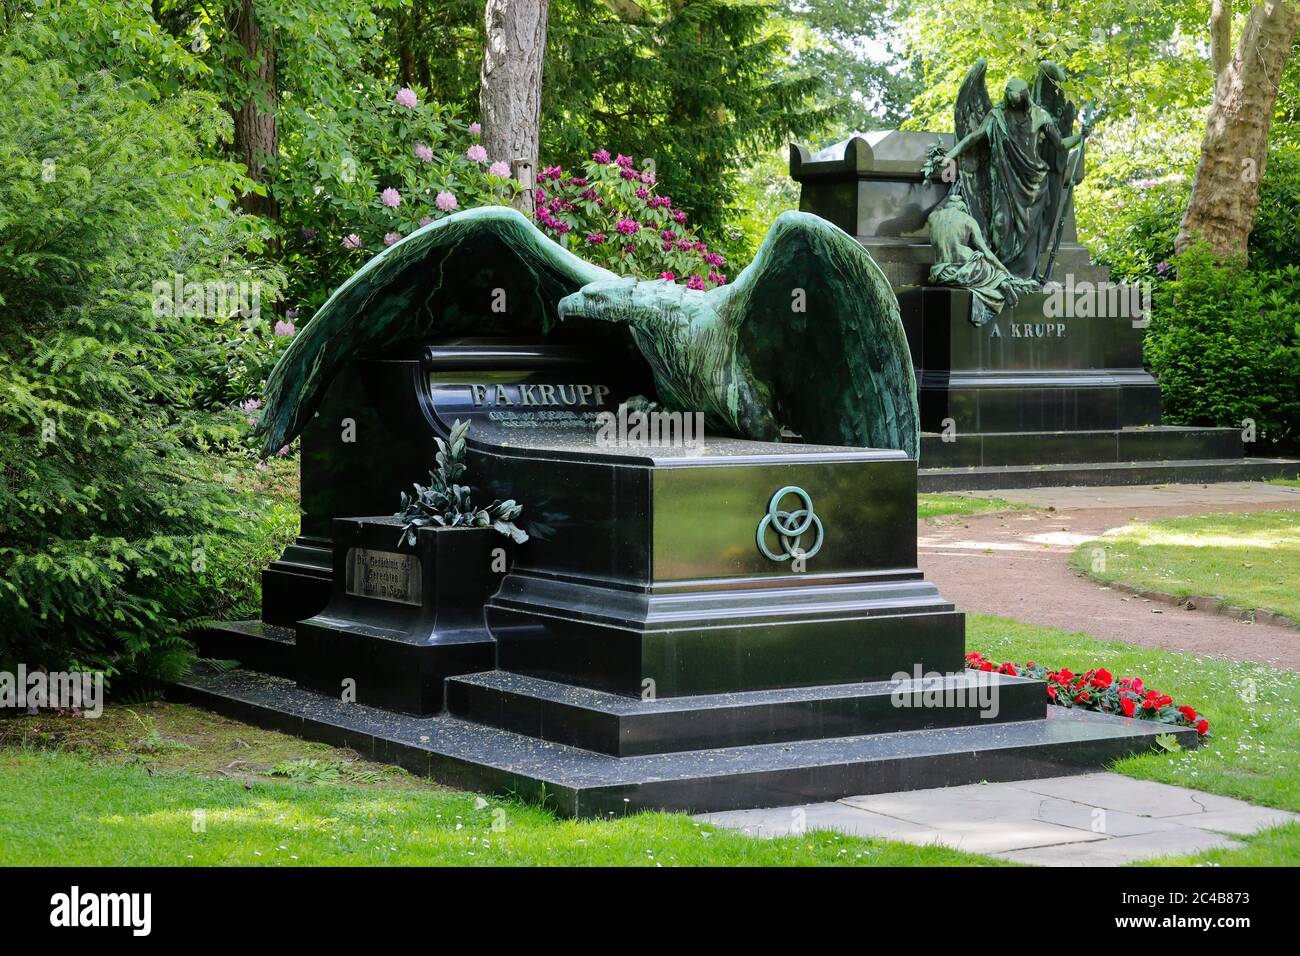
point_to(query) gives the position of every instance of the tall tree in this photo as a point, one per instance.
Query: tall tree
(510, 95)
(253, 105)
(1225, 191)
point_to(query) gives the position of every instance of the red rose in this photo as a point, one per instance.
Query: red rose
(1202, 727)
(1083, 698)
(986, 666)
(1127, 706)
(1008, 668)
(1102, 678)
(1188, 713)
(1051, 693)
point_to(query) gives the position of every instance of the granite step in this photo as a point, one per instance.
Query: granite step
(268, 648)
(1191, 471)
(585, 783)
(629, 726)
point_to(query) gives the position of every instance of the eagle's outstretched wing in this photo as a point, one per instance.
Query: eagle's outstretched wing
(483, 271)
(818, 327)
(973, 105)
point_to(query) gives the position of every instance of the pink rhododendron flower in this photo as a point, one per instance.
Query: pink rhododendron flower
(475, 128)
(717, 278)
(445, 201)
(406, 97)
(629, 248)
(391, 237)
(679, 216)
(284, 450)
(391, 198)
(284, 330)
(425, 221)
(624, 161)
(695, 282)
(600, 156)
(642, 192)
(423, 153)
(668, 275)
(476, 153)
(595, 238)
(250, 404)
(352, 241)
(500, 168)
(627, 227)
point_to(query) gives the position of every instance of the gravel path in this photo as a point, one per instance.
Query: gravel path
(1016, 564)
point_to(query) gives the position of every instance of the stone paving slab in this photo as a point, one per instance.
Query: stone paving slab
(1095, 819)
(1121, 850)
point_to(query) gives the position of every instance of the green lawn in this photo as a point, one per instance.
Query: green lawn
(940, 506)
(124, 789)
(151, 799)
(1249, 560)
(1254, 712)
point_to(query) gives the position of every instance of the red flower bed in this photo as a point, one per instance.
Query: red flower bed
(1099, 690)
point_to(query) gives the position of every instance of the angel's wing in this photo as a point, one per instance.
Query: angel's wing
(818, 326)
(483, 271)
(1049, 93)
(973, 105)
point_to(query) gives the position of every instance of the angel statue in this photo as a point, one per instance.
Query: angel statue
(963, 258)
(1013, 161)
(806, 340)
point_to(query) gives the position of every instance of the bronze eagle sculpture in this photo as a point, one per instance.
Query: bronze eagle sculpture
(806, 342)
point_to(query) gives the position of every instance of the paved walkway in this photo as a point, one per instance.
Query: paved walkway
(1016, 564)
(1097, 819)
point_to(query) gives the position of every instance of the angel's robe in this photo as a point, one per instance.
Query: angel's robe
(1020, 195)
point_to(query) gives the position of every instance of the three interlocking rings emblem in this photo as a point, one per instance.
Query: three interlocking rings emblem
(790, 526)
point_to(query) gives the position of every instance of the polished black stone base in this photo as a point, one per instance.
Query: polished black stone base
(584, 782)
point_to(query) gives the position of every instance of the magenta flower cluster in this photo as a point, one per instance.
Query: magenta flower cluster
(613, 197)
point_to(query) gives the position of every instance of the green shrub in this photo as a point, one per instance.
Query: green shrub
(1225, 343)
(354, 179)
(108, 507)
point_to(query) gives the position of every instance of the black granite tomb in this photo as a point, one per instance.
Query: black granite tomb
(654, 644)
(1043, 394)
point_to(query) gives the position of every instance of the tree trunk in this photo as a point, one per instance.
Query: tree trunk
(256, 137)
(510, 93)
(1225, 192)
(1220, 37)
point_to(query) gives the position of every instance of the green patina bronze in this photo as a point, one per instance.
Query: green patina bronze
(963, 258)
(1012, 161)
(806, 342)
(790, 527)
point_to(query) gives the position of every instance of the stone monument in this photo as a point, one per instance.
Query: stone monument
(1028, 359)
(696, 625)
